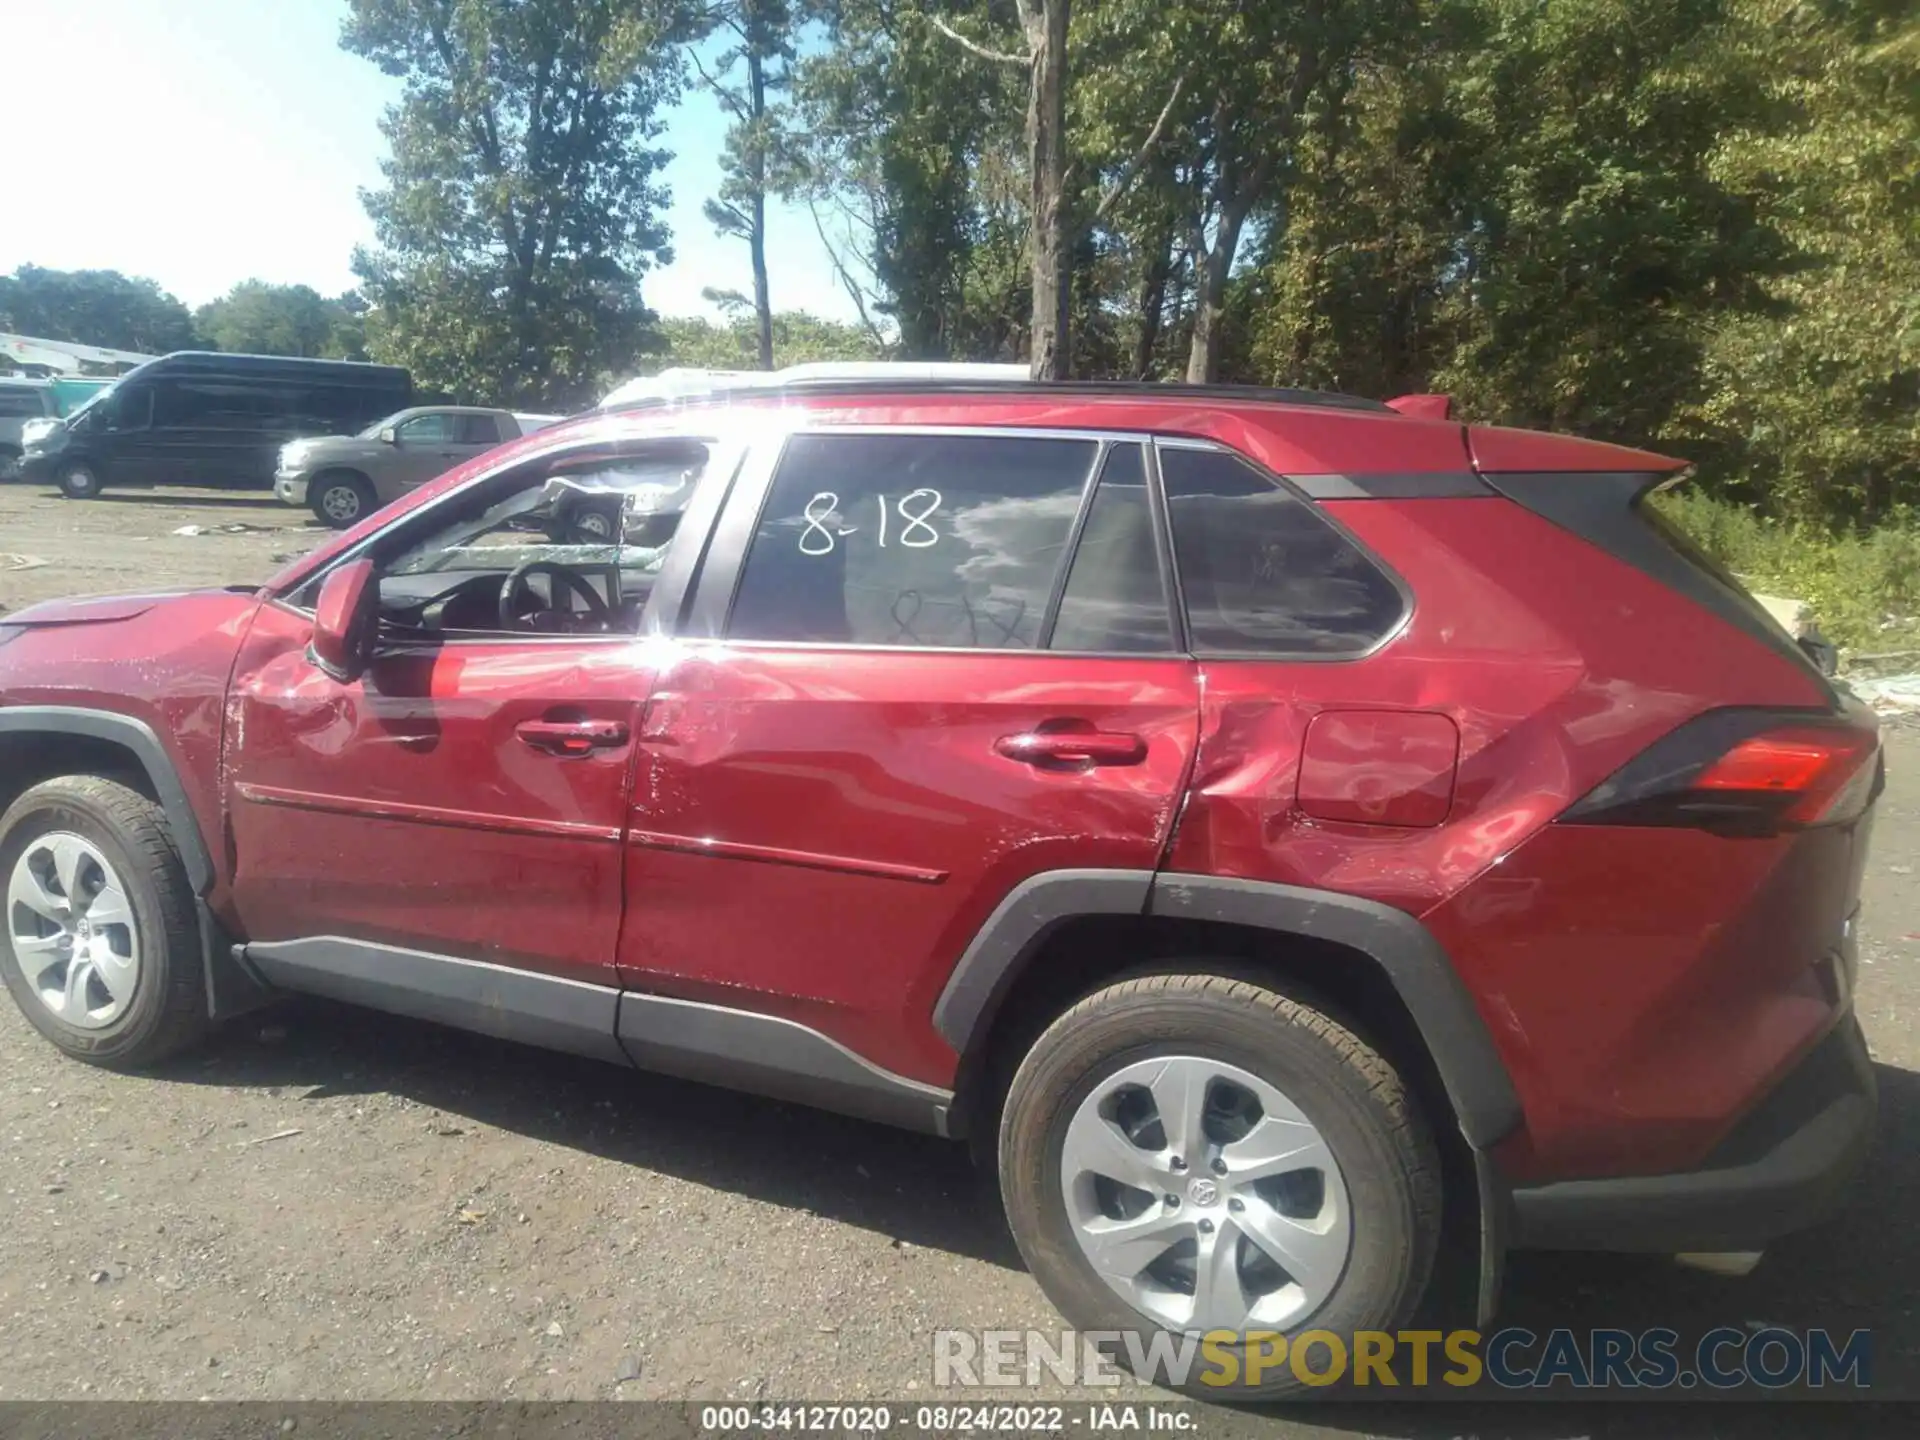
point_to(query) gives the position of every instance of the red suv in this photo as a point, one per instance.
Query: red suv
(1219, 805)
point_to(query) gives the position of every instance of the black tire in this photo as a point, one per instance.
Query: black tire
(341, 498)
(79, 480)
(1351, 1094)
(168, 1010)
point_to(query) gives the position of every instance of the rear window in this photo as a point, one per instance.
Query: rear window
(1261, 570)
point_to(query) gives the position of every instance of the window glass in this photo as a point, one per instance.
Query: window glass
(476, 430)
(589, 535)
(1261, 570)
(1114, 599)
(124, 409)
(436, 429)
(211, 405)
(912, 539)
(17, 400)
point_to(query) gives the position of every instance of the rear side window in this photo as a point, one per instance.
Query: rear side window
(941, 541)
(1261, 571)
(1115, 601)
(475, 430)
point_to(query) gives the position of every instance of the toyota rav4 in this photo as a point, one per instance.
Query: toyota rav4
(1265, 824)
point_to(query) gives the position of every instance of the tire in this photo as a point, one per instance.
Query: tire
(79, 480)
(341, 499)
(1121, 1051)
(163, 1008)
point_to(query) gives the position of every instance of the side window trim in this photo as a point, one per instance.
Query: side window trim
(1050, 618)
(1292, 657)
(710, 609)
(1163, 546)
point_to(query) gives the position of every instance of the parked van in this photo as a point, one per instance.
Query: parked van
(196, 418)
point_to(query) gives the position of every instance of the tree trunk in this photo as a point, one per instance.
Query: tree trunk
(1047, 162)
(1152, 301)
(1209, 304)
(757, 236)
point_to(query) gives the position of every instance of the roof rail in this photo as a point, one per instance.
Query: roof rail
(927, 376)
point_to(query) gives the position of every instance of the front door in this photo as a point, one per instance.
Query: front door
(467, 796)
(910, 705)
(423, 448)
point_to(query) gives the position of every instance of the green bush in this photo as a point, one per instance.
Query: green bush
(1864, 587)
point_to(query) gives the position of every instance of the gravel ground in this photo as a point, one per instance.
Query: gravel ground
(330, 1204)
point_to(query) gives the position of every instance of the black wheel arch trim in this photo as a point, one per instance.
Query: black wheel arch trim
(1475, 1078)
(230, 989)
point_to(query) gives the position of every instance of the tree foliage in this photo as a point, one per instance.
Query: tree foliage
(256, 318)
(94, 307)
(523, 194)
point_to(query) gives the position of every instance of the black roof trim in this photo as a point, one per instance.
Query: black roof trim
(879, 385)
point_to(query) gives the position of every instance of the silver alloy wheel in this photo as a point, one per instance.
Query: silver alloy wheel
(1204, 1197)
(79, 480)
(72, 930)
(340, 502)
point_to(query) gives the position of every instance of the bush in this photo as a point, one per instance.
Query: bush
(1864, 587)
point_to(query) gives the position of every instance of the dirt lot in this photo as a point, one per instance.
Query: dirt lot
(331, 1204)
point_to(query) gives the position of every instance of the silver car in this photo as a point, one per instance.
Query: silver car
(344, 478)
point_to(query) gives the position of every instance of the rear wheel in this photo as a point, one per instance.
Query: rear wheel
(100, 941)
(78, 480)
(341, 499)
(1192, 1153)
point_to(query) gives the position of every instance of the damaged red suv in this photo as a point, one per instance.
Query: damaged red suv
(1218, 806)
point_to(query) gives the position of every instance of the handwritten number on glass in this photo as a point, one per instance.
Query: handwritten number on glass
(918, 533)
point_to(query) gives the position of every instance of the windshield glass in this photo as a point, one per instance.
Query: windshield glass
(92, 403)
(372, 432)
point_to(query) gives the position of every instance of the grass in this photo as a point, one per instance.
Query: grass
(1864, 588)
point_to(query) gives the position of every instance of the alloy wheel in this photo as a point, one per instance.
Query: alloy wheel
(340, 503)
(1204, 1197)
(73, 931)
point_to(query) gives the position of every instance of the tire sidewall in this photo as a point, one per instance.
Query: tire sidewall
(69, 474)
(340, 480)
(1388, 1262)
(32, 817)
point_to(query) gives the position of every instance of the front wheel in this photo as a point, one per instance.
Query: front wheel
(100, 942)
(1191, 1153)
(340, 499)
(78, 480)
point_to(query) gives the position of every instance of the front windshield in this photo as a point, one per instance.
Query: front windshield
(92, 403)
(372, 432)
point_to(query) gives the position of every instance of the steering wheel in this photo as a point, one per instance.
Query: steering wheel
(515, 586)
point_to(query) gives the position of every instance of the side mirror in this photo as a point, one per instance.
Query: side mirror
(388, 436)
(345, 620)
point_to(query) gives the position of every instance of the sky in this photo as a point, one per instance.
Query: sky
(206, 142)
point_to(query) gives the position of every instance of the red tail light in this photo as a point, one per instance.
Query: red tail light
(1745, 772)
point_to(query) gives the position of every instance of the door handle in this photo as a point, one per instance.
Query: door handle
(571, 738)
(1073, 747)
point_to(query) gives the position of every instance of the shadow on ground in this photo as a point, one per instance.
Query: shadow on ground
(218, 499)
(1859, 1270)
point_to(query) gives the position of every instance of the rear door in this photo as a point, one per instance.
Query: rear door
(914, 695)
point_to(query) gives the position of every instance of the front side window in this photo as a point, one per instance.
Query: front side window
(927, 540)
(427, 430)
(1261, 571)
(568, 545)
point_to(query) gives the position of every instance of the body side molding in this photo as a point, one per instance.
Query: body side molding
(497, 1000)
(769, 1055)
(1471, 1069)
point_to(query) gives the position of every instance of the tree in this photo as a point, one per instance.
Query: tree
(260, 319)
(522, 199)
(759, 36)
(94, 307)
(735, 345)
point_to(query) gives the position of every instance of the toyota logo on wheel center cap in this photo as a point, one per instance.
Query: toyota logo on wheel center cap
(1203, 1192)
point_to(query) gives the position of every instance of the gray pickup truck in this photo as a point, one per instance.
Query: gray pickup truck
(344, 478)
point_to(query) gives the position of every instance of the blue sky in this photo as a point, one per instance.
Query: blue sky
(205, 142)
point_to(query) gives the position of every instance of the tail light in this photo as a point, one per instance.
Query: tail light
(1745, 772)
